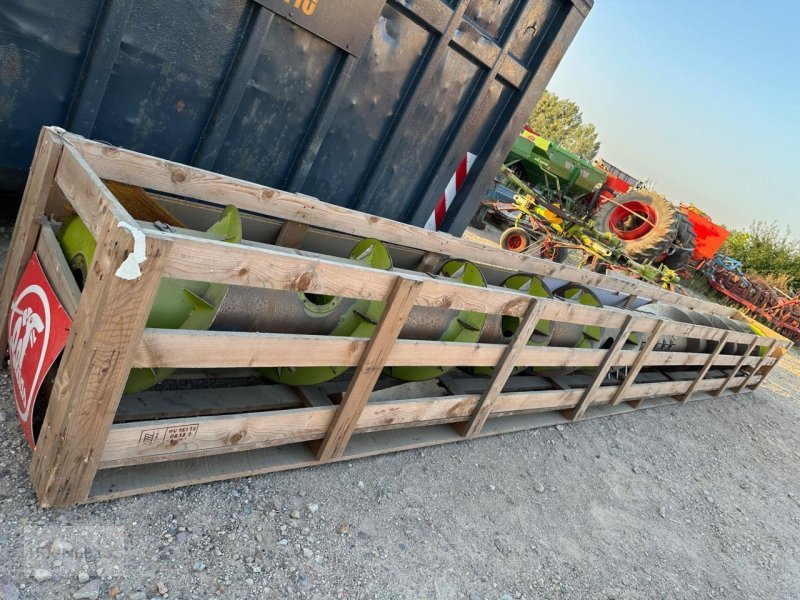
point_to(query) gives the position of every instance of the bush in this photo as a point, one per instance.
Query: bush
(768, 251)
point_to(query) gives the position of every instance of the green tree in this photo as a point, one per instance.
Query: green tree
(560, 120)
(767, 250)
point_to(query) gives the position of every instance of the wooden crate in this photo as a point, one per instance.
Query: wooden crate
(95, 444)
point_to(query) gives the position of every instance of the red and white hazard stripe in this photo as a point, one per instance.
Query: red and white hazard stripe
(437, 216)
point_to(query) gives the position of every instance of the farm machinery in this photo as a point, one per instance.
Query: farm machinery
(555, 200)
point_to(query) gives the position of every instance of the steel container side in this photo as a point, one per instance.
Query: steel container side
(373, 117)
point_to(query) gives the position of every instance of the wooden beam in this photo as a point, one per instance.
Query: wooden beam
(758, 366)
(709, 363)
(146, 440)
(57, 270)
(26, 228)
(603, 369)
(312, 396)
(430, 261)
(168, 474)
(641, 360)
(292, 234)
(736, 368)
(503, 369)
(174, 178)
(372, 361)
(94, 368)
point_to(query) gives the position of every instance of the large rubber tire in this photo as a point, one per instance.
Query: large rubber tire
(655, 238)
(683, 245)
(515, 239)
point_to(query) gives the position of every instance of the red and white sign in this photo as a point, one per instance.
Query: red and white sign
(38, 327)
(437, 216)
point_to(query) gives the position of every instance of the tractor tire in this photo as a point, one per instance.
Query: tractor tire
(515, 239)
(683, 244)
(646, 222)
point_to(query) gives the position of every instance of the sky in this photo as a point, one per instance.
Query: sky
(700, 96)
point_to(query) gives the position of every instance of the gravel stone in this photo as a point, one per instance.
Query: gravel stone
(90, 591)
(42, 574)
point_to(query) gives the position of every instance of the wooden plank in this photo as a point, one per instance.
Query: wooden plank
(26, 229)
(57, 270)
(177, 404)
(712, 357)
(312, 396)
(173, 178)
(91, 199)
(759, 365)
(260, 265)
(131, 480)
(372, 361)
(94, 367)
(292, 234)
(641, 360)
(736, 368)
(503, 369)
(141, 442)
(603, 369)
(430, 261)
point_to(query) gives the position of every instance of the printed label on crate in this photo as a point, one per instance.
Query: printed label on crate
(167, 436)
(38, 327)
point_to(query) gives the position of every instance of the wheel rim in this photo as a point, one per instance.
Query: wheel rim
(632, 220)
(515, 242)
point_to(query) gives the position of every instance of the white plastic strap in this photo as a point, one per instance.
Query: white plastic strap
(129, 269)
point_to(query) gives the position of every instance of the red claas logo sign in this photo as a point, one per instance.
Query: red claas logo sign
(38, 328)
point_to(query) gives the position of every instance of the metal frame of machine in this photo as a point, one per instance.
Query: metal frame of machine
(88, 450)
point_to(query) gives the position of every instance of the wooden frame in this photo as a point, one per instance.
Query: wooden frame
(85, 453)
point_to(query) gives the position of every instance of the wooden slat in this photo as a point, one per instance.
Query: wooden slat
(292, 234)
(603, 369)
(313, 396)
(94, 367)
(372, 361)
(127, 481)
(142, 442)
(430, 261)
(503, 370)
(91, 199)
(259, 265)
(26, 228)
(187, 349)
(736, 368)
(57, 270)
(641, 360)
(712, 357)
(173, 178)
(759, 365)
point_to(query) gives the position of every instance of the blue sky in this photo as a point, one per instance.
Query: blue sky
(701, 96)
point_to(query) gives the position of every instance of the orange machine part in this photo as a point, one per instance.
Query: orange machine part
(710, 236)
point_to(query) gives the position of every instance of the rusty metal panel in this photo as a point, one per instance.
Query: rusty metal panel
(344, 23)
(257, 93)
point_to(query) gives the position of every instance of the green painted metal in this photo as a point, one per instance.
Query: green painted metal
(543, 332)
(179, 304)
(359, 320)
(465, 326)
(540, 158)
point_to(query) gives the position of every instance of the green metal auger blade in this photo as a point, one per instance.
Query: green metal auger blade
(179, 304)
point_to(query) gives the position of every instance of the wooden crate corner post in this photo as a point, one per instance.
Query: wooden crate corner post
(122, 281)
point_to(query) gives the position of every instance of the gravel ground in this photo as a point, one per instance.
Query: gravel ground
(695, 501)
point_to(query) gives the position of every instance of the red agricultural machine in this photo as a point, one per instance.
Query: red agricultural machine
(555, 200)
